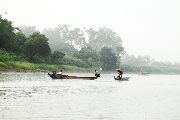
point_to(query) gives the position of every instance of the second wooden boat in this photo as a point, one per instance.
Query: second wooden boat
(122, 79)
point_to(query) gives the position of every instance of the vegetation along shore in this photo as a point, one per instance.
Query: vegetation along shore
(24, 48)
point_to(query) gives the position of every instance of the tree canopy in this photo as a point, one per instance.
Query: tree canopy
(37, 44)
(104, 37)
(108, 59)
(7, 35)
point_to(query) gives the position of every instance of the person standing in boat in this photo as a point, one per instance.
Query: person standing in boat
(97, 74)
(120, 73)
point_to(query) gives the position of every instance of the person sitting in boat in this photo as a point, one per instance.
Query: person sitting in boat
(120, 73)
(60, 73)
(97, 74)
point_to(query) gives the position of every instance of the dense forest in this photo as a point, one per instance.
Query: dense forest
(69, 48)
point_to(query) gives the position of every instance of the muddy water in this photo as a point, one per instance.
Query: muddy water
(35, 96)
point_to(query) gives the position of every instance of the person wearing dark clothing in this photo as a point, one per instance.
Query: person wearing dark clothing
(120, 73)
(97, 74)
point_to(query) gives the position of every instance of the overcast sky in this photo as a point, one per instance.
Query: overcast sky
(147, 27)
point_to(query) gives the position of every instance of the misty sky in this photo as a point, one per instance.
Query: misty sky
(147, 27)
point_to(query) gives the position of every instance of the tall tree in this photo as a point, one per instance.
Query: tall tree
(37, 44)
(56, 57)
(87, 54)
(58, 39)
(7, 34)
(104, 37)
(19, 43)
(108, 59)
(77, 38)
(27, 30)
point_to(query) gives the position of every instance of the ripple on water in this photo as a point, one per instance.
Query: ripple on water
(25, 96)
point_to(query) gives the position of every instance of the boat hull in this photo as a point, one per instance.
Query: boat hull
(122, 79)
(56, 76)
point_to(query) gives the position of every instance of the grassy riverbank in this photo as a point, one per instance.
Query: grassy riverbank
(27, 66)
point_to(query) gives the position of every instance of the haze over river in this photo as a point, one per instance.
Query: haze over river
(35, 96)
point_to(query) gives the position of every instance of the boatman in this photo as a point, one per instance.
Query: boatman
(97, 74)
(120, 73)
(60, 73)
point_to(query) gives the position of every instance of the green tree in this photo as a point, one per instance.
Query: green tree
(87, 54)
(108, 59)
(57, 57)
(7, 35)
(6, 56)
(19, 43)
(37, 44)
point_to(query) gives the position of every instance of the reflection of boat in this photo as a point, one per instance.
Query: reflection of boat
(122, 79)
(58, 76)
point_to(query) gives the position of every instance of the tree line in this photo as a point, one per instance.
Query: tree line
(81, 47)
(62, 45)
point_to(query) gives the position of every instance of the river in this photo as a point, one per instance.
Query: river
(35, 96)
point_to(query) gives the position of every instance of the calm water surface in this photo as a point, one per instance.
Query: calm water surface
(35, 96)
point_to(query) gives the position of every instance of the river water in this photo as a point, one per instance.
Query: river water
(35, 96)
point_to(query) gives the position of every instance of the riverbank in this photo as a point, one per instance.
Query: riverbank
(17, 66)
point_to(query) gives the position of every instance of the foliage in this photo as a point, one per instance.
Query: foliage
(139, 61)
(7, 34)
(131, 63)
(90, 56)
(27, 30)
(37, 44)
(69, 60)
(6, 56)
(77, 38)
(20, 43)
(2, 64)
(104, 37)
(108, 59)
(58, 39)
(73, 48)
(56, 57)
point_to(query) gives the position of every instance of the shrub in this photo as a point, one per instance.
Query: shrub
(68, 60)
(6, 56)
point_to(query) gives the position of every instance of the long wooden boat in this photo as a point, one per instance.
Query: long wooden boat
(122, 79)
(57, 76)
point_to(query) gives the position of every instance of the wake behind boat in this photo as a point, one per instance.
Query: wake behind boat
(58, 76)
